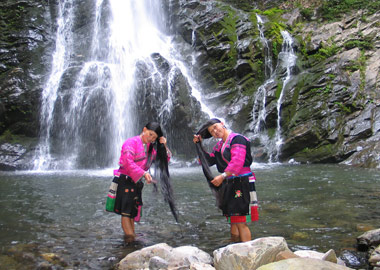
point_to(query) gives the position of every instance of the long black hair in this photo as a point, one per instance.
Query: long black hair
(205, 134)
(162, 167)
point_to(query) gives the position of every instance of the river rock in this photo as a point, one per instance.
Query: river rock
(163, 256)
(201, 266)
(368, 239)
(249, 255)
(329, 256)
(302, 263)
(157, 262)
(374, 259)
(286, 254)
(354, 259)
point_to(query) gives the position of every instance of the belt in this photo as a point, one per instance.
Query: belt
(233, 178)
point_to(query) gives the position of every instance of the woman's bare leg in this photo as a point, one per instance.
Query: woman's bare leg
(234, 233)
(128, 225)
(244, 232)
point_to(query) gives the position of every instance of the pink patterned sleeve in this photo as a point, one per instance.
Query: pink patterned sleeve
(238, 152)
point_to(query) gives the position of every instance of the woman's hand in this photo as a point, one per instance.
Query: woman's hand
(148, 177)
(197, 138)
(162, 140)
(217, 181)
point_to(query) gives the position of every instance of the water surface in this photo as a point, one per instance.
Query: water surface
(312, 206)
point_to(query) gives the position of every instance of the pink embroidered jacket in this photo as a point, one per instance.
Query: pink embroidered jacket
(232, 156)
(133, 158)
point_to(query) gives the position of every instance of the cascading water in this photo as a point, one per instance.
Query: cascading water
(258, 110)
(267, 50)
(89, 102)
(287, 58)
(91, 118)
(50, 93)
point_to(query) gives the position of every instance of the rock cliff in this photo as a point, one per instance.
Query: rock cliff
(323, 107)
(329, 111)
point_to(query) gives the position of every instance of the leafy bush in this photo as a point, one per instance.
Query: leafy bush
(361, 44)
(307, 13)
(334, 9)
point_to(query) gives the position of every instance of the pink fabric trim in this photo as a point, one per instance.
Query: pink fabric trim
(138, 217)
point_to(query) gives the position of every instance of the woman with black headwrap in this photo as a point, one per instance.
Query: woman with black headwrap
(235, 186)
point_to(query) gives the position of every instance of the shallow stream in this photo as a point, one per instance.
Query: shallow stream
(314, 207)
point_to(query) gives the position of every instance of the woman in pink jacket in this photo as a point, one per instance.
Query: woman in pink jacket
(137, 155)
(235, 186)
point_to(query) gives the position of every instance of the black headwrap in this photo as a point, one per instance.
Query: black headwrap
(203, 131)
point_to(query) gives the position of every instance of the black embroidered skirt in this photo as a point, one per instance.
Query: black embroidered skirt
(128, 197)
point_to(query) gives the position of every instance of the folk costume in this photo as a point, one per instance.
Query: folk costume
(239, 201)
(134, 162)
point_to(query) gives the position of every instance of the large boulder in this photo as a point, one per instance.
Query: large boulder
(249, 255)
(163, 256)
(302, 263)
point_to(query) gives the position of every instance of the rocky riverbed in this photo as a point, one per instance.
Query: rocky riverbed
(268, 253)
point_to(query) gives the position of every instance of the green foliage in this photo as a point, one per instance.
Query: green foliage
(344, 108)
(228, 30)
(271, 132)
(229, 24)
(249, 86)
(279, 89)
(7, 136)
(303, 44)
(306, 13)
(325, 52)
(366, 44)
(362, 63)
(253, 18)
(334, 9)
(273, 26)
(359, 64)
(328, 51)
(274, 13)
(323, 90)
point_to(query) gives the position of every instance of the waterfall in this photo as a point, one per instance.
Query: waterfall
(88, 105)
(87, 122)
(287, 58)
(50, 93)
(258, 110)
(267, 50)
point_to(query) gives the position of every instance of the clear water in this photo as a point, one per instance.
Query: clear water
(312, 206)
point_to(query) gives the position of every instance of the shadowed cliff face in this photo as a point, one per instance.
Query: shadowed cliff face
(330, 106)
(26, 35)
(323, 108)
(94, 88)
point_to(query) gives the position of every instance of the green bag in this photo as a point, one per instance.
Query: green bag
(111, 197)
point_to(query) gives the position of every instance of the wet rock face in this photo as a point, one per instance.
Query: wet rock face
(167, 97)
(26, 37)
(330, 104)
(10, 156)
(330, 107)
